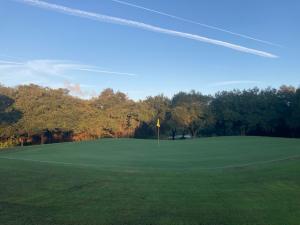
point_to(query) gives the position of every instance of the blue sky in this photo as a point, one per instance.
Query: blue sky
(85, 54)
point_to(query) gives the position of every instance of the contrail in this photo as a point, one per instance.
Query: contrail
(105, 71)
(140, 25)
(194, 22)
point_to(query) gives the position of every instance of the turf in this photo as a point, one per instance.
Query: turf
(209, 181)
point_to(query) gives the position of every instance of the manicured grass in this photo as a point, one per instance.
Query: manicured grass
(209, 181)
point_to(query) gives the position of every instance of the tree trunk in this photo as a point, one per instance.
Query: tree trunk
(193, 132)
(173, 134)
(183, 134)
(42, 139)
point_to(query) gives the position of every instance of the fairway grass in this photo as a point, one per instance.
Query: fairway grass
(208, 181)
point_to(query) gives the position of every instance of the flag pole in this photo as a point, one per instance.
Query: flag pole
(158, 135)
(158, 126)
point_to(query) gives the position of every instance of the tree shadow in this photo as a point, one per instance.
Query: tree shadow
(8, 115)
(144, 131)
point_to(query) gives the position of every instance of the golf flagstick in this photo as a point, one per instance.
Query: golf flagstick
(158, 126)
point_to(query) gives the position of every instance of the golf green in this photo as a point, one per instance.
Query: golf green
(208, 181)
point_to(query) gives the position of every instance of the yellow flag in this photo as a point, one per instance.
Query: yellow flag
(158, 124)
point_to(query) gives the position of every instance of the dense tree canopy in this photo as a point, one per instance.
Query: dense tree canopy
(30, 114)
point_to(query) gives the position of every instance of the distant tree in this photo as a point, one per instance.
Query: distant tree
(30, 114)
(190, 111)
(157, 107)
(294, 119)
(120, 113)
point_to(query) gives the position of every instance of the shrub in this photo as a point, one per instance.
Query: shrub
(8, 143)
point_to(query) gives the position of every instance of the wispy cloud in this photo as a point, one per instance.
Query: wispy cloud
(32, 71)
(234, 82)
(50, 73)
(140, 25)
(95, 70)
(195, 22)
(46, 67)
(9, 62)
(54, 74)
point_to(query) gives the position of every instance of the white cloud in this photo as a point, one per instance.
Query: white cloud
(51, 73)
(131, 23)
(9, 62)
(46, 67)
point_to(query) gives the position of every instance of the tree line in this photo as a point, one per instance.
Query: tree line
(30, 114)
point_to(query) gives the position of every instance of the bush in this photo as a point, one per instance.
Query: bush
(8, 143)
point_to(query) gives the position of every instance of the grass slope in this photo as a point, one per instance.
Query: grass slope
(210, 181)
